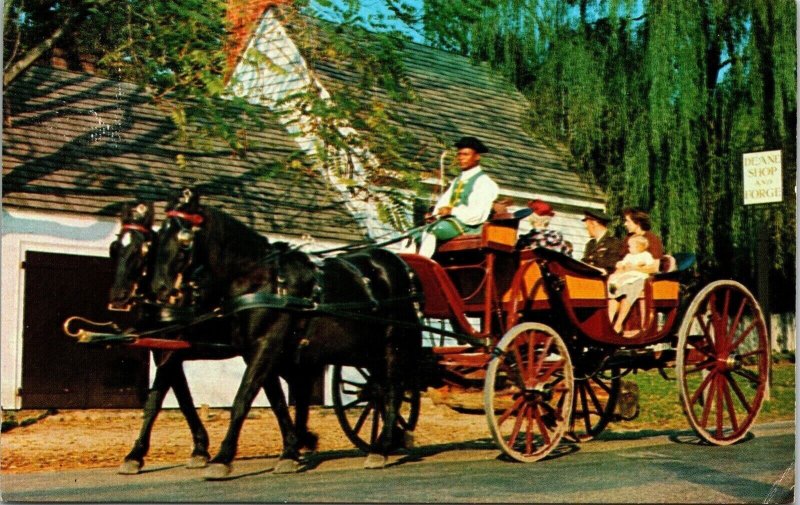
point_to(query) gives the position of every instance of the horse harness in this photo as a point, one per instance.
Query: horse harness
(362, 310)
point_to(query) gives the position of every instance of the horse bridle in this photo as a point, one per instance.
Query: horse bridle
(185, 238)
(144, 250)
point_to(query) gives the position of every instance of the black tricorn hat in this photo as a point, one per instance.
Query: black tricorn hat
(597, 215)
(472, 143)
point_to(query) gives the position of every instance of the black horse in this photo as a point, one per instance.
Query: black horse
(134, 253)
(363, 313)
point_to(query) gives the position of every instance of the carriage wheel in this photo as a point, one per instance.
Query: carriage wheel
(528, 392)
(358, 402)
(722, 362)
(593, 404)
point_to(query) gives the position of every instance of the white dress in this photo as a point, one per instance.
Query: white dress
(630, 283)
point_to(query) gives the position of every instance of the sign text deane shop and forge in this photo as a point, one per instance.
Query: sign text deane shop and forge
(762, 177)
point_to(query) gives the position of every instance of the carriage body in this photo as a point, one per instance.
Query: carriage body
(536, 335)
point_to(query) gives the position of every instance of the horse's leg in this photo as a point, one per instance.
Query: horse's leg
(260, 365)
(161, 384)
(378, 453)
(180, 387)
(302, 386)
(288, 462)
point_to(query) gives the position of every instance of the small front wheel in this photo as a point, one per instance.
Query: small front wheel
(528, 392)
(358, 400)
(722, 362)
(593, 404)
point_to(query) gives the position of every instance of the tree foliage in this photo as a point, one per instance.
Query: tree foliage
(657, 101)
(175, 50)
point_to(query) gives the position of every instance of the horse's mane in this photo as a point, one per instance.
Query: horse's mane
(236, 239)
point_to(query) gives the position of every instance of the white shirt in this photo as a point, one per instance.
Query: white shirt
(479, 203)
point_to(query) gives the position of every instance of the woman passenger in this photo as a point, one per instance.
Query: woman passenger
(637, 223)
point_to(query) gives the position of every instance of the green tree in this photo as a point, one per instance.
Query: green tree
(657, 101)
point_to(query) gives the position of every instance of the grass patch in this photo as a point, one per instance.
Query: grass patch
(660, 407)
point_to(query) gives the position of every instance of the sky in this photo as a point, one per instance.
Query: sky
(372, 10)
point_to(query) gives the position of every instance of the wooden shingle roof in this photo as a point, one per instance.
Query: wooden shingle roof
(455, 97)
(83, 144)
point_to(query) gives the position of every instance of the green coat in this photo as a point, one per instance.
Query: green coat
(603, 253)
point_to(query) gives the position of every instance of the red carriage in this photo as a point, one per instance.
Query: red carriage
(534, 333)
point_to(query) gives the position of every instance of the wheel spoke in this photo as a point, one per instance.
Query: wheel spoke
(363, 417)
(699, 367)
(736, 320)
(351, 382)
(724, 319)
(517, 425)
(701, 387)
(703, 325)
(529, 432)
(364, 373)
(704, 347)
(551, 369)
(729, 401)
(542, 427)
(709, 402)
(749, 375)
(598, 406)
(352, 392)
(533, 372)
(744, 334)
(719, 401)
(584, 410)
(352, 403)
(739, 393)
(513, 408)
(599, 382)
(755, 352)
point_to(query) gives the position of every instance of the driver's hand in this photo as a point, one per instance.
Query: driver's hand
(445, 211)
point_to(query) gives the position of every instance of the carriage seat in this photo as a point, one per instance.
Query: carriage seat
(670, 265)
(500, 233)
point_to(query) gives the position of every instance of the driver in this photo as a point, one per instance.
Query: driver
(466, 204)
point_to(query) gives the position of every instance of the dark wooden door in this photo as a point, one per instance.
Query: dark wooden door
(57, 372)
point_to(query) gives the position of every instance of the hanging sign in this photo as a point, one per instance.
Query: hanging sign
(762, 177)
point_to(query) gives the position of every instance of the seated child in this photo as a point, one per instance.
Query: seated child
(626, 284)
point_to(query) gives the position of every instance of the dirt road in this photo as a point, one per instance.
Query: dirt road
(73, 439)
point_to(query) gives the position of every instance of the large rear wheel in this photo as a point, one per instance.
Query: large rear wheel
(722, 362)
(528, 392)
(358, 400)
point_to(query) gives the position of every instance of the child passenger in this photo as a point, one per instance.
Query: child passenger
(626, 284)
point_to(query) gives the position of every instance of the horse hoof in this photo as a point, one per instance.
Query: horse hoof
(216, 471)
(309, 441)
(197, 462)
(375, 461)
(408, 439)
(286, 466)
(129, 467)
